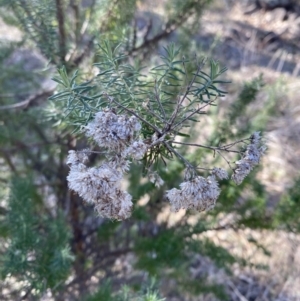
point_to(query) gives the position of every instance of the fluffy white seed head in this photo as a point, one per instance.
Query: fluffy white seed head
(113, 131)
(100, 186)
(75, 158)
(176, 198)
(241, 172)
(250, 158)
(192, 188)
(220, 173)
(92, 183)
(119, 163)
(115, 206)
(136, 150)
(255, 138)
(199, 194)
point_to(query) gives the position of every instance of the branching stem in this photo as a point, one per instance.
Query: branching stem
(172, 150)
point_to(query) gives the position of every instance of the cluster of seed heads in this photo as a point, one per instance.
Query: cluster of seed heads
(120, 136)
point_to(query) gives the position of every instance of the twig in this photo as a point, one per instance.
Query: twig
(187, 90)
(199, 67)
(153, 113)
(236, 142)
(214, 148)
(172, 150)
(192, 114)
(158, 141)
(224, 159)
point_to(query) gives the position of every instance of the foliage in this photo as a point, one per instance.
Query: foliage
(286, 215)
(145, 294)
(33, 231)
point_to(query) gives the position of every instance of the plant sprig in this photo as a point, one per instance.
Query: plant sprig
(166, 98)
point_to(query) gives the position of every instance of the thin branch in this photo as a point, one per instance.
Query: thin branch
(180, 101)
(189, 116)
(214, 148)
(224, 159)
(158, 141)
(151, 111)
(236, 142)
(172, 150)
(199, 67)
(87, 49)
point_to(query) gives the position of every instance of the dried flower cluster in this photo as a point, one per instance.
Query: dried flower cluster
(101, 186)
(250, 158)
(113, 131)
(120, 136)
(220, 173)
(199, 194)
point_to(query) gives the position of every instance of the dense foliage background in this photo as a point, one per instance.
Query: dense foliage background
(54, 247)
